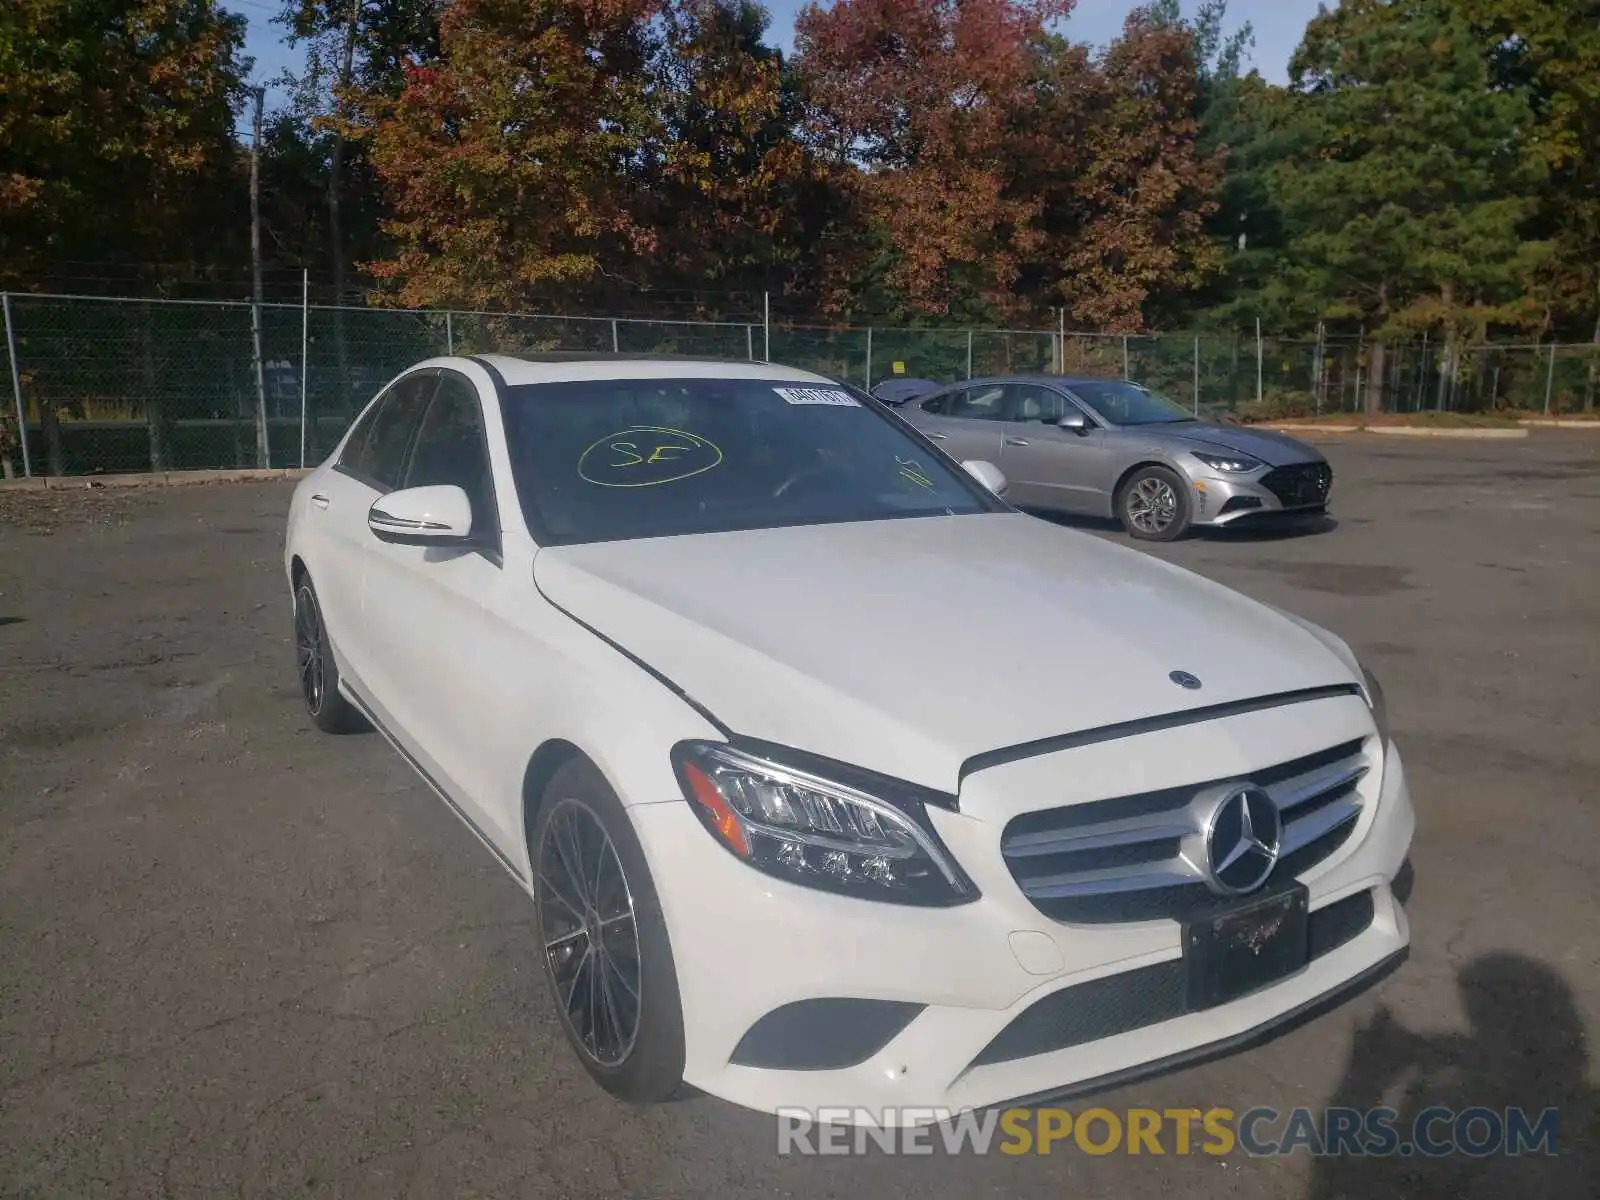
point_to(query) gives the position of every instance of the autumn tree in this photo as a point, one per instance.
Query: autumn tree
(921, 96)
(116, 135)
(735, 199)
(1125, 185)
(350, 46)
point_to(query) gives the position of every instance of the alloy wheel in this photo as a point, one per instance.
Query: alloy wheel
(1152, 504)
(308, 649)
(591, 938)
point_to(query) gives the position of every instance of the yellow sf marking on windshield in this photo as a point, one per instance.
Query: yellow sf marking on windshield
(675, 453)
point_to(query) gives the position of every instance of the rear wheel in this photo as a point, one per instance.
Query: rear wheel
(1154, 505)
(319, 674)
(604, 942)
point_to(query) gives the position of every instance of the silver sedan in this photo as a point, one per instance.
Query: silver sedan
(1110, 448)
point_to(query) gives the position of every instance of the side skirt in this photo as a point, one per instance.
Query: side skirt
(433, 785)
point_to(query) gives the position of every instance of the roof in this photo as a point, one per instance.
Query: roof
(564, 367)
(1057, 380)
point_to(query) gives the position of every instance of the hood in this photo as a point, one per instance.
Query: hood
(907, 646)
(1273, 448)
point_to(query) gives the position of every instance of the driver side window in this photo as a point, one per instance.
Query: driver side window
(452, 448)
(1032, 402)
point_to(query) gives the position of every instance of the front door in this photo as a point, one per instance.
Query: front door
(423, 610)
(369, 465)
(1047, 466)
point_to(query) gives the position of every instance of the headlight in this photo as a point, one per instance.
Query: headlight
(1233, 464)
(818, 832)
(1375, 701)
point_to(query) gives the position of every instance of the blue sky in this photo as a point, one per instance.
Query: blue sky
(1278, 26)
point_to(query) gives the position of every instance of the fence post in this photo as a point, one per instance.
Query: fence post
(449, 332)
(1258, 362)
(16, 387)
(1061, 340)
(305, 354)
(263, 449)
(616, 346)
(1549, 379)
(1126, 372)
(1197, 374)
(869, 358)
(969, 354)
(1319, 367)
(766, 326)
(750, 342)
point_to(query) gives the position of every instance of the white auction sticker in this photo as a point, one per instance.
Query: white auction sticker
(802, 395)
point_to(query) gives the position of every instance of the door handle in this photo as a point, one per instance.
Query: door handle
(936, 437)
(319, 500)
(1016, 441)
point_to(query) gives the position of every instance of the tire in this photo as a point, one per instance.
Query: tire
(318, 673)
(1143, 513)
(591, 991)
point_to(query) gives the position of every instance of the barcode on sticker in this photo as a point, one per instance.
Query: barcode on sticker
(800, 395)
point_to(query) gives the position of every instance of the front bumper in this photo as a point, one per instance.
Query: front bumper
(1225, 499)
(746, 946)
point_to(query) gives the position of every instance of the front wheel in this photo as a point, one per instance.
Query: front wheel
(604, 942)
(1154, 505)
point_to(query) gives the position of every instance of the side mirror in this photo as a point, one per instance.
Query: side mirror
(1075, 421)
(987, 474)
(440, 515)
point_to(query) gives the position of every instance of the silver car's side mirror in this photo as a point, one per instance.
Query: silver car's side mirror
(987, 474)
(439, 515)
(1075, 421)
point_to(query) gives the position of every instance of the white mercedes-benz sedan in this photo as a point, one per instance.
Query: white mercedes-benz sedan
(834, 781)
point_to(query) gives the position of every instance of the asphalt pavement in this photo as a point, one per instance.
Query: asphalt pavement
(240, 957)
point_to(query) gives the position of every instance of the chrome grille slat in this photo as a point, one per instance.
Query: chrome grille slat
(1171, 872)
(1134, 857)
(1310, 827)
(1297, 789)
(1127, 832)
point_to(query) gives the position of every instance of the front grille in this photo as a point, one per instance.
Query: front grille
(1300, 486)
(1137, 858)
(1101, 1008)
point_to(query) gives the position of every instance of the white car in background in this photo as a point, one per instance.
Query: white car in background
(834, 780)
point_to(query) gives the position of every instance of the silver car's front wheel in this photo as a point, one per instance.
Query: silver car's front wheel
(1154, 505)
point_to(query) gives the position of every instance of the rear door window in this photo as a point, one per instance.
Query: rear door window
(378, 456)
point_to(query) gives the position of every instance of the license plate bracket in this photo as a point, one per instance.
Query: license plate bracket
(1231, 952)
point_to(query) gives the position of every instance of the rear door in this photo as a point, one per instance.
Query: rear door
(965, 422)
(369, 462)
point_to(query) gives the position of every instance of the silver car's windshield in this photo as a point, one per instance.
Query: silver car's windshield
(1122, 403)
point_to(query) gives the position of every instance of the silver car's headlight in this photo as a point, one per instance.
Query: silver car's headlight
(1376, 702)
(1232, 464)
(819, 832)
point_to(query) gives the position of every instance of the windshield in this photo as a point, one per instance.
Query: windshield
(1123, 403)
(600, 460)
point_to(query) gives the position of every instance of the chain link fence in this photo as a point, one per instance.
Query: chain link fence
(114, 385)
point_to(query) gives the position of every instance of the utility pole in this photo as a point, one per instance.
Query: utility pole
(262, 454)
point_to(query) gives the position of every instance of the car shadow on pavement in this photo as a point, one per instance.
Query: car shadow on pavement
(1525, 1049)
(1267, 530)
